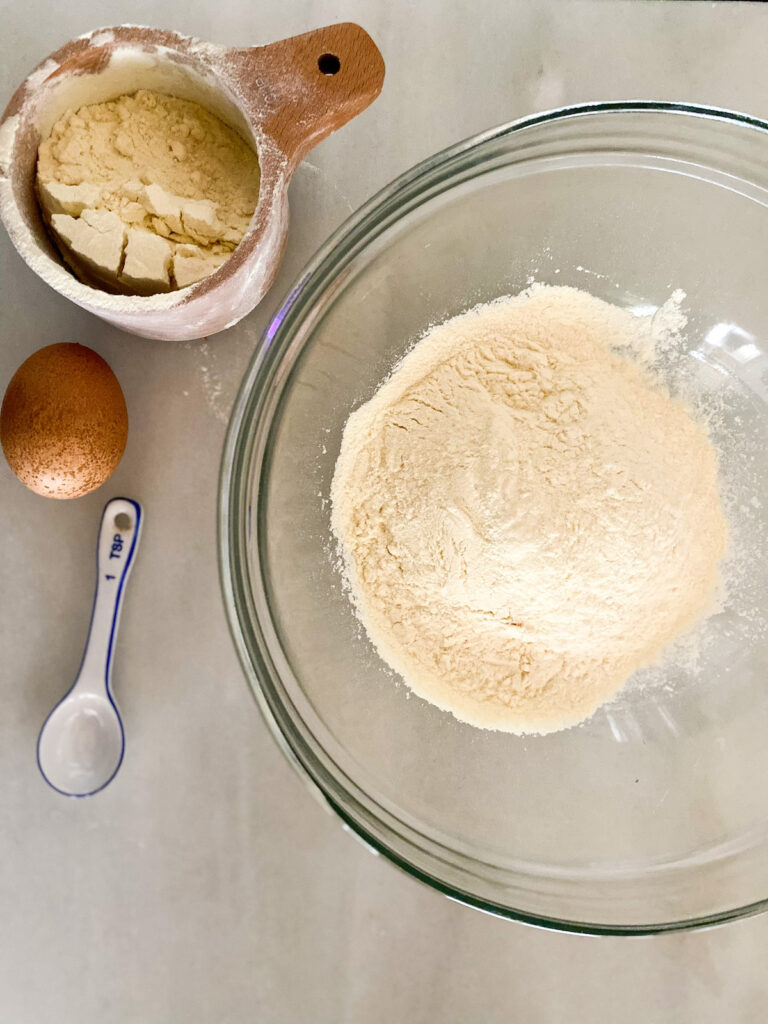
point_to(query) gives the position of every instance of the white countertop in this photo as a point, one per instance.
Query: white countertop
(205, 884)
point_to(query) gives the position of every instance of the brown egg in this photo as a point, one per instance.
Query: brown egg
(63, 422)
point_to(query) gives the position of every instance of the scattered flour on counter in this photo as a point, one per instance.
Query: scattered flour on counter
(525, 516)
(213, 389)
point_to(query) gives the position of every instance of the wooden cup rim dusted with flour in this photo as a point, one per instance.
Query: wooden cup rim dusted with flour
(282, 98)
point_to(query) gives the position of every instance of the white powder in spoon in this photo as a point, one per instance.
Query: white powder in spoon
(525, 516)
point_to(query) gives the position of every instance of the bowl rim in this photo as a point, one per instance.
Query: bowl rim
(234, 511)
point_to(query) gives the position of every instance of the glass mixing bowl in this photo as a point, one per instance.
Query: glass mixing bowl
(653, 815)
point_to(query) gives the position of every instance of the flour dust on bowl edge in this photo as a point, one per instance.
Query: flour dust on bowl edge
(653, 815)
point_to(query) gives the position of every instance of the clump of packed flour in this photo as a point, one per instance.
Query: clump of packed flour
(146, 193)
(525, 516)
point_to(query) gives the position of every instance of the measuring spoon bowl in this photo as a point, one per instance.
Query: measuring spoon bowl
(81, 744)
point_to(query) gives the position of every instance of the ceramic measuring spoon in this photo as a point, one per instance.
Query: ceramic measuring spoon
(283, 98)
(82, 741)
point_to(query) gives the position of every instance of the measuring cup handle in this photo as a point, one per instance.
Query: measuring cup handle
(312, 84)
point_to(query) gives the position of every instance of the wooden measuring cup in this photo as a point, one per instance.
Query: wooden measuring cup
(283, 98)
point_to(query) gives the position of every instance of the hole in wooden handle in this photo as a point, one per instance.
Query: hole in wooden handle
(329, 64)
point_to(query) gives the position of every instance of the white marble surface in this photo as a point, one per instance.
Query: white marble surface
(205, 884)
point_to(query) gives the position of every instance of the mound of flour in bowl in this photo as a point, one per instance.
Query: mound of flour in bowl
(524, 515)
